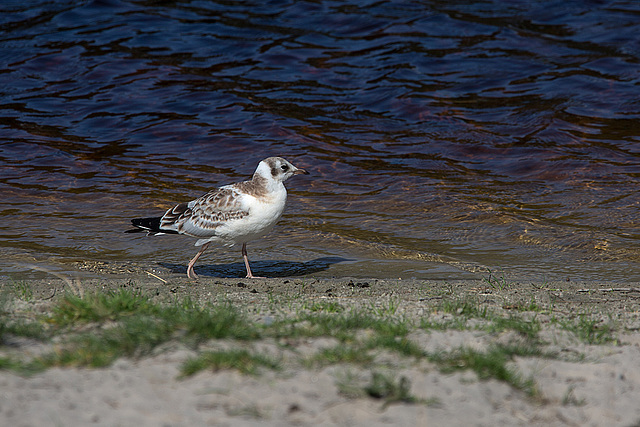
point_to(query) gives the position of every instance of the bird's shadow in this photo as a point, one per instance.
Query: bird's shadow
(269, 268)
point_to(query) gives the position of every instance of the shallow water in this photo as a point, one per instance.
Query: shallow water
(443, 138)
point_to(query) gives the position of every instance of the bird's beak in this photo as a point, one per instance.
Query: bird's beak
(300, 171)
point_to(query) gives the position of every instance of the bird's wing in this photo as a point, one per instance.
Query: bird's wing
(201, 217)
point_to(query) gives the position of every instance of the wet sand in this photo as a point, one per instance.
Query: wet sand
(582, 384)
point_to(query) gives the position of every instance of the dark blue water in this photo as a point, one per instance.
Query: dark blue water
(443, 138)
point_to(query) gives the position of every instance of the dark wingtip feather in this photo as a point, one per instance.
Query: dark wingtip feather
(150, 225)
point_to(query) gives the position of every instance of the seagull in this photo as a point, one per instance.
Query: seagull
(232, 214)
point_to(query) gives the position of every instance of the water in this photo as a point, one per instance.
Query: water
(444, 138)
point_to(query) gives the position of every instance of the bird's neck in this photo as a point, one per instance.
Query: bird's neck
(265, 180)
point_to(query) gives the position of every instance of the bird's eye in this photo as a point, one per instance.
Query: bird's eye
(284, 167)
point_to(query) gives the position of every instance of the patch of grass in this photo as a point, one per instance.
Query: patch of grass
(533, 306)
(24, 291)
(22, 325)
(588, 330)
(323, 306)
(22, 328)
(527, 328)
(8, 363)
(339, 325)
(239, 359)
(21, 367)
(96, 329)
(489, 364)
(142, 326)
(465, 307)
(97, 307)
(135, 337)
(128, 324)
(379, 332)
(385, 310)
(400, 345)
(499, 283)
(209, 322)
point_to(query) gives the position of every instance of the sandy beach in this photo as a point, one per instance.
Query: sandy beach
(572, 379)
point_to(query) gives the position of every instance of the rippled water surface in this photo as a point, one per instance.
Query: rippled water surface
(442, 137)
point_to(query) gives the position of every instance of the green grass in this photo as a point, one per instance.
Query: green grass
(138, 333)
(489, 364)
(385, 310)
(323, 306)
(588, 330)
(528, 328)
(130, 308)
(465, 309)
(99, 328)
(135, 336)
(239, 359)
(400, 345)
(339, 325)
(96, 307)
(498, 283)
(96, 329)
(24, 291)
(21, 367)
(24, 328)
(532, 306)
(218, 321)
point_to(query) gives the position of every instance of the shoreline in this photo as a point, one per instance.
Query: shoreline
(583, 369)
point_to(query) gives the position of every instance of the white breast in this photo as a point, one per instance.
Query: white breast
(264, 213)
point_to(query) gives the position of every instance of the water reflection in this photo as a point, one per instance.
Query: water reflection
(470, 133)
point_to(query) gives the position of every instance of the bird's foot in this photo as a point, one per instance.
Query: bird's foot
(191, 274)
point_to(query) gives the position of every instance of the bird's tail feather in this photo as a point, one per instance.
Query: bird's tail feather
(150, 225)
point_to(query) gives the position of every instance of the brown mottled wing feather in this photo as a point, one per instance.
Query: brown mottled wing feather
(201, 217)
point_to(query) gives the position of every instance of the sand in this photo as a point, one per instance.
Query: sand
(582, 384)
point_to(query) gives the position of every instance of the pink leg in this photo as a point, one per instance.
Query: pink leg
(246, 263)
(190, 273)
